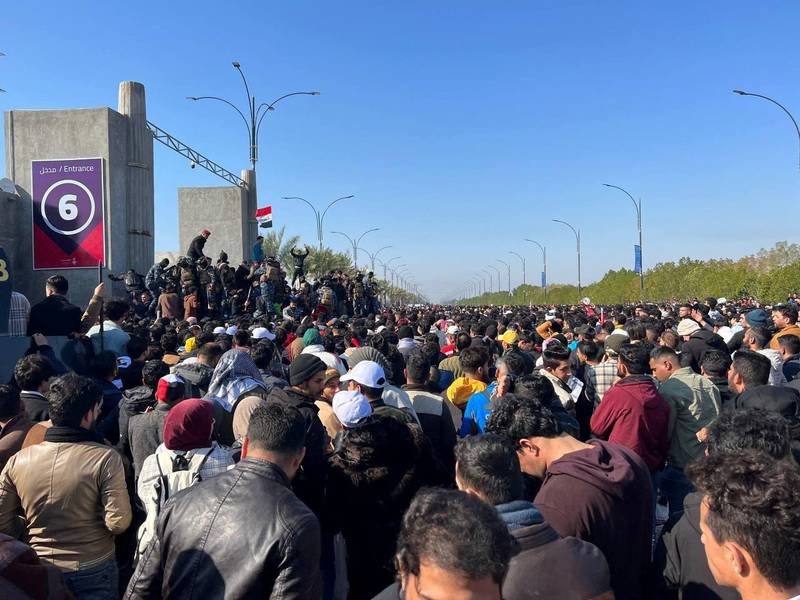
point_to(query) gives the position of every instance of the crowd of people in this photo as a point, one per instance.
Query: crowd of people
(198, 286)
(243, 450)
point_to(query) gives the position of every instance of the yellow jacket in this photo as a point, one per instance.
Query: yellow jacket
(790, 330)
(462, 388)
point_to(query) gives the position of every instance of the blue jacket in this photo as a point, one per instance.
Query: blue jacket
(258, 252)
(476, 411)
(518, 514)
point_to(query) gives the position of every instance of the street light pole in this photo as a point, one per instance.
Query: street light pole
(482, 282)
(638, 207)
(253, 124)
(578, 240)
(373, 255)
(544, 264)
(775, 102)
(508, 266)
(387, 263)
(489, 273)
(355, 243)
(522, 259)
(318, 217)
(497, 270)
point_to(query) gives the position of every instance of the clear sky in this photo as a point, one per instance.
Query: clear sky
(461, 126)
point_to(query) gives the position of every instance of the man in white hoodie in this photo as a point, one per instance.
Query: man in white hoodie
(757, 340)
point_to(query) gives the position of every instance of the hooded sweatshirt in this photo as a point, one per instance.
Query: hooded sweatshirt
(462, 389)
(544, 552)
(776, 376)
(603, 495)
(633, 414)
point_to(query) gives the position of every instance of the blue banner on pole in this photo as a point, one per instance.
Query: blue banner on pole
(544, 280)
(637, 258)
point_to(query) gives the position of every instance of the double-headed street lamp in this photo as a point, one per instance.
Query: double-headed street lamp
(508, 266)
(638, 207)
(544, 265)
(373, 255)
(253, 123)
(387, 264)
(577, 233)
(319, 217)
(776, 103)
(355, 242)
(395, 276)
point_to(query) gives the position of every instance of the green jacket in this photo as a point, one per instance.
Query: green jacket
(694, 402)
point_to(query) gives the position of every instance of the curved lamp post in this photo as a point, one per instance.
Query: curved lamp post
(776, 103)
(373, 255)
(638, 207)
(318, 217)
(253, 121)
(508, 266)
(544, 265)
(578, 240)
(355, 242)
(496, 270)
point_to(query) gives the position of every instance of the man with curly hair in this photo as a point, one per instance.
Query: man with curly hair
(750, 522)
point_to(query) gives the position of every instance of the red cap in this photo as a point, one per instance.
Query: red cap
(165, 384)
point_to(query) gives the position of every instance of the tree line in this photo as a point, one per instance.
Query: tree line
(769, 276)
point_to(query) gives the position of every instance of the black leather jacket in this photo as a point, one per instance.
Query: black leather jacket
(242, 534)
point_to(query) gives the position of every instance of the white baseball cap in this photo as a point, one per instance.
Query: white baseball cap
(232, 330)
(453, 330)
(262, 333)
(218, 330)
(351, 408)
(366, 373)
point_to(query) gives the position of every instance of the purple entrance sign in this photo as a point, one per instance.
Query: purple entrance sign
(68, 216)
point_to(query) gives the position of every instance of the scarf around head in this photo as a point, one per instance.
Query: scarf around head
(235, 374)
(312, 337)
(372, 354)
(188, 425)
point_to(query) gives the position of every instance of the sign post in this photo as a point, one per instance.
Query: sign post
(68, 213)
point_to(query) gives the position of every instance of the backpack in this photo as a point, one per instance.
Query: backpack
(175, 473)
(326, 296)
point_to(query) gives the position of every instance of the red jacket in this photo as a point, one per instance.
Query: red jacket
(633, 414)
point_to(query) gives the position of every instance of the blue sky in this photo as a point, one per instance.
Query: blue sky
(461, 126)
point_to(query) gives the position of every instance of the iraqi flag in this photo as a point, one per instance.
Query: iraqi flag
(264, 217)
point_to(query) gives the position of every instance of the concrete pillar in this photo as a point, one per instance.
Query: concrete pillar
(139, 196)
(249, 224)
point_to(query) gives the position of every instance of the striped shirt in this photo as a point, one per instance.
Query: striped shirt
(18, 314)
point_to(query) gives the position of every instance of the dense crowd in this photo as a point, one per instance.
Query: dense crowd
(279, 440)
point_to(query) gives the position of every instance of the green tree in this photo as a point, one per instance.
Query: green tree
(321, 262)
(769, 275)
(276, 244)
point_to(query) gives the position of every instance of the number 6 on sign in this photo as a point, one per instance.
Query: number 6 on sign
(66, 207)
